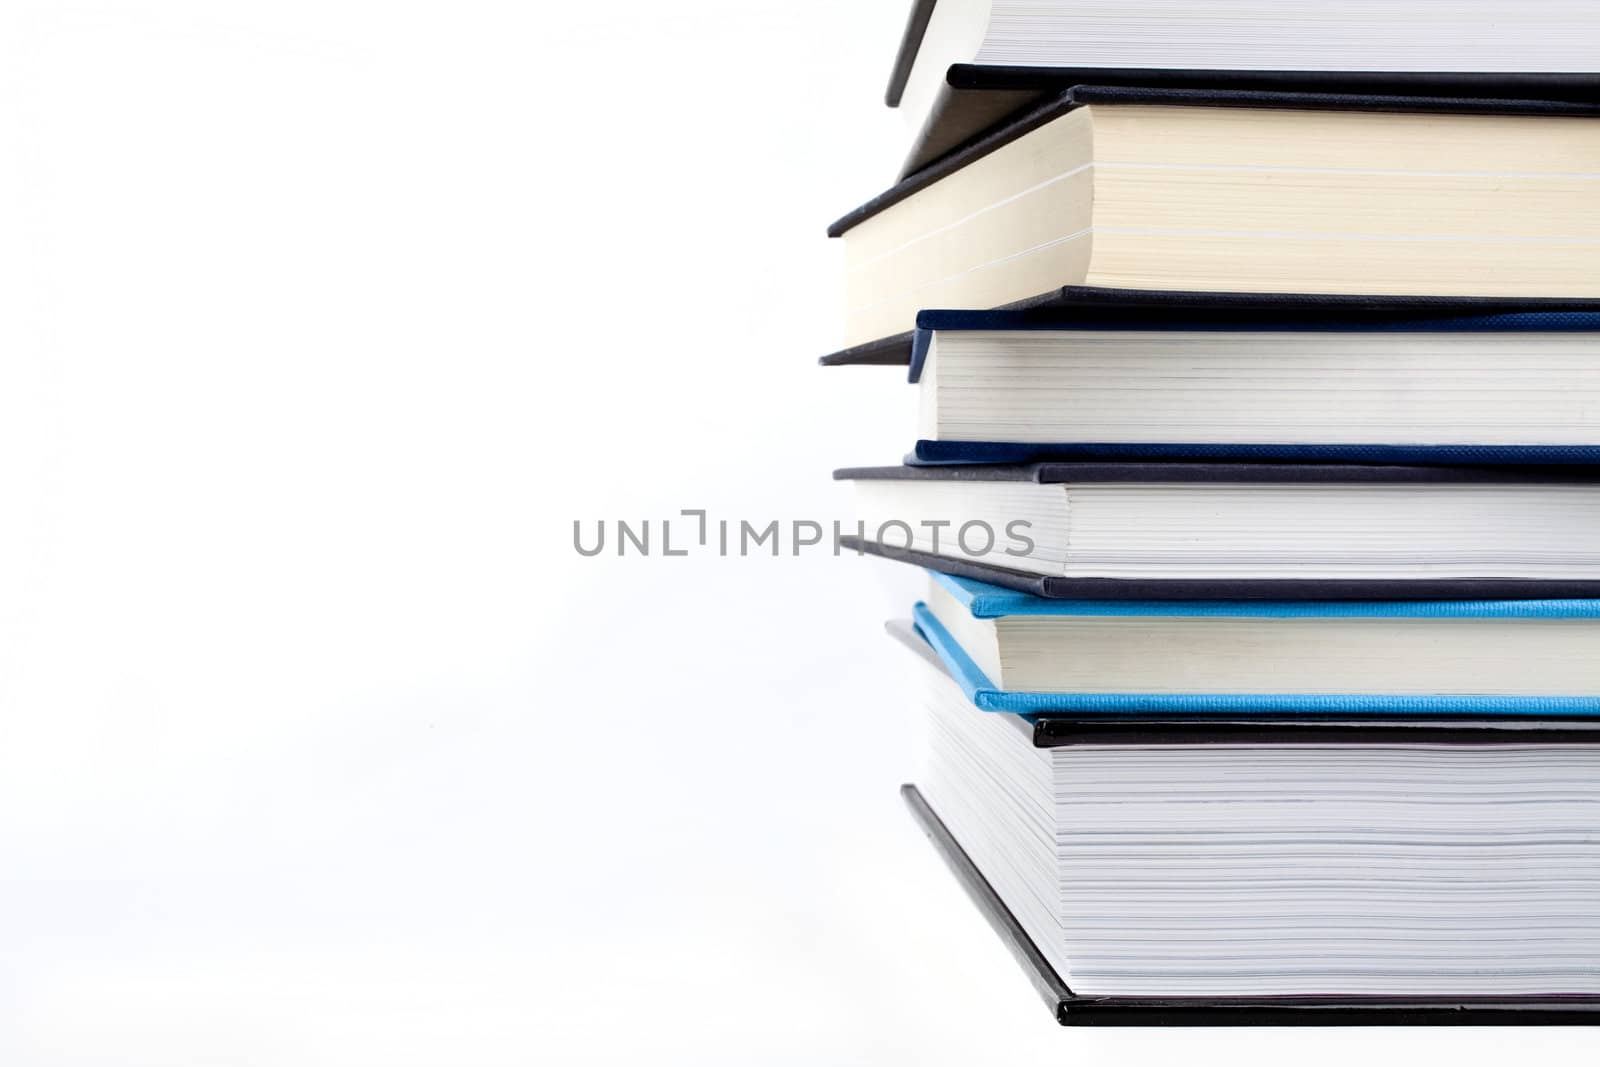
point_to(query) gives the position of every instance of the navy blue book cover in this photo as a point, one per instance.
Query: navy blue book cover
(1320, 315)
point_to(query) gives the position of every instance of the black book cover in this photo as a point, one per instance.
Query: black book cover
(1087, 472)
(1335, 589)
(1164, 304)
(1072, 1009)
(906, 55)
(1056, 587)
(976, 98)
(1082, 94)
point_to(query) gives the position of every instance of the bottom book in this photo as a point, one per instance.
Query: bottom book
(1297, 872)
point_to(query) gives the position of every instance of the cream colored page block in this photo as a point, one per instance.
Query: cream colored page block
(1344, 265)
(1507, 144)
(978, 638)
(1054, 149)
(1223, 655)
(1041, 269)
(1327, 202)
(1014, 228)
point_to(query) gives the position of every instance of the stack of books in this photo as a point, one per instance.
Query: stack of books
(1257, 483)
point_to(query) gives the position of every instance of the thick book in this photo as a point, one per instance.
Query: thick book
(1075, 1009)
(1231, 531)
(965, 65)
(1011, 652)
(1279, 871)
(1358, 386)
(1245, 192)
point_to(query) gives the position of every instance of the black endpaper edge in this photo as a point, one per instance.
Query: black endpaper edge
(1073, 1010)
(1060, 730)
(1082, 94)
(957, 119)
(1042, 976)
(1341, 589)
(891, 351)
(1026, 123)
(1086, 472)
(905, 56)
(977, 98)
(895, 350)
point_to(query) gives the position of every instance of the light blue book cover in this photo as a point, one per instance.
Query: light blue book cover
(990, 602)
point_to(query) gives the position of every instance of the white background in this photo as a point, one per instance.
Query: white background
(323, 320)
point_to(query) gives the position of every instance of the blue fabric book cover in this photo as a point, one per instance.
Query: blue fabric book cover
(985, 601)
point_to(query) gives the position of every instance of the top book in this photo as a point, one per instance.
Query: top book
(965, 65)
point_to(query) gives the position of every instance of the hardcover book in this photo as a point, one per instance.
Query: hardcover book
(1245, 192)
(1187, 530)
(964, 65)
(1291, 873)
(1351, 386)
(1011, 652)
